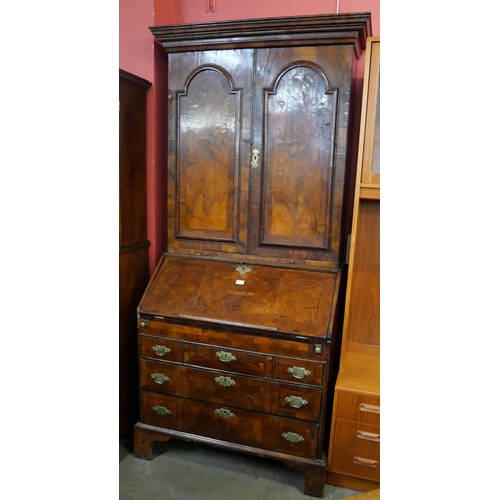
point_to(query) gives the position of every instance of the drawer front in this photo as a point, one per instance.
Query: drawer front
(228, 360)
(298, 371)
(358, 408)
(362, 464)
(248, 393)
(359, 436)
(162, 349)
(296, 401)
(161, 377)
(231, 424)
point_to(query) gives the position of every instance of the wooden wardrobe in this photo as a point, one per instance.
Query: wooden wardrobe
(133, 260)
(236, 327)
(354, 451)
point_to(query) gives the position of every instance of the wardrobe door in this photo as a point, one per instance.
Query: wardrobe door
(301, 121)
(210, 95)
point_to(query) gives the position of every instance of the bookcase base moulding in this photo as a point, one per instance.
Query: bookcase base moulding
(238, 327)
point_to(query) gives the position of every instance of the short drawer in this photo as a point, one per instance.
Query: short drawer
(358, 407)
(230, 424)
(358, 436)
(228, 360)
(298, 371)
(353, 462)
(163, 349)
(161, 377)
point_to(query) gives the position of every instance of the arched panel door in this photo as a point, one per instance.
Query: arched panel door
(209, 115)
(301, 119)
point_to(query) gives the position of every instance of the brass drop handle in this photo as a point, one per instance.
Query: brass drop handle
(225, 356)
(292, 437)
(298, 372)
(255, 158)
(365, 462)
(225, 381)
(222, 412)
(159, 378)
(368, 435)
(161, 410)
(295, 401)
(369, 408)
(161, 350)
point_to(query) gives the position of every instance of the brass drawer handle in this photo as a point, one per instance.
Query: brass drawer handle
(222, 412)
(298, 372)
(369, 408)
(295, 401)
(292, 437)
(368, 435)
(225, 356)
(161, 350)
(159, 378)
(161, 410)
(225, 381)
(365, 462)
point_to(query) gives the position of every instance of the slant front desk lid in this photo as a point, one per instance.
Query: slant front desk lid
(242, 296)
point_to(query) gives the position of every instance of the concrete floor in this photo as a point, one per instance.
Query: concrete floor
(182, 470)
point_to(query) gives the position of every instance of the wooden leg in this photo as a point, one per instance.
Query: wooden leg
(143, 441)
(314, 476)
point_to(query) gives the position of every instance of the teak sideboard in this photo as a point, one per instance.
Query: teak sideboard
(237, 324)
(354, 452)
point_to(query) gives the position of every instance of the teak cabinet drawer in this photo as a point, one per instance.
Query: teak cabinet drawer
(358, 407)
(239, 391)
(298, 371)
(358, 463)
(228, 360)
(160, 348)
(358, 436)
(230, 424)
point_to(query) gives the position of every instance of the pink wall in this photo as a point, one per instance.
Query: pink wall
(140, 55)
(194, 11)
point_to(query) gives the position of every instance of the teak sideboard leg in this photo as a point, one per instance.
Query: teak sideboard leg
(314, 476)
(143, 441)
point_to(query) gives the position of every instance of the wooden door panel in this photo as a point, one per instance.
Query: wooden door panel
(301, 119)
(209, 123)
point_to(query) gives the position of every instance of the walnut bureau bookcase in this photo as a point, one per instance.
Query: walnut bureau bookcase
(236, 325)
(354, 452)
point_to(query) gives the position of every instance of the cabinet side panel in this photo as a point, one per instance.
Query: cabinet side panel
(364, 304)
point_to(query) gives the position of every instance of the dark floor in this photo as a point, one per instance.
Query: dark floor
(182, 470)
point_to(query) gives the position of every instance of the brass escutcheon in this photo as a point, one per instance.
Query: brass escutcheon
(243, 270)
(292, 437)
(159, 378)
(295, 401)
(298, 372)
(222, 412)
(161, 350)
(225, 381)
(161, 410)
(255, 158)
(225, 356)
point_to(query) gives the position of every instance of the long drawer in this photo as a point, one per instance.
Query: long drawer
(289, 400)
(226, 423)
(357, 463)
(358, 407)
(356, 435)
